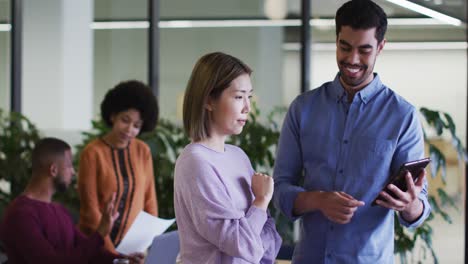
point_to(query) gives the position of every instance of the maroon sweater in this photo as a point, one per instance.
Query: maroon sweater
(38, 232)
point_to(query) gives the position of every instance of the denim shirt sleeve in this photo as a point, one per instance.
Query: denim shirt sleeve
(411, 147)
(288, 164)
(426, 211)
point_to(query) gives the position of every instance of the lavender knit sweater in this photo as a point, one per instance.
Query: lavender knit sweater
(215, 216)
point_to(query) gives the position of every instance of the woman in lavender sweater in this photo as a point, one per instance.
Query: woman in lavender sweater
(220, 202)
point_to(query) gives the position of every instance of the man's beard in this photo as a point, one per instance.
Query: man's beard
(354, 82)
(60, 185)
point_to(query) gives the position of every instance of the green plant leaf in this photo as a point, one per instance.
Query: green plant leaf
(438, 162)
(445, 199)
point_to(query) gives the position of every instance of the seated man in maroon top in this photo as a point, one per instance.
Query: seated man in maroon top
(37, 230)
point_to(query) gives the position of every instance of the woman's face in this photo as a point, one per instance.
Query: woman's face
(125, 126)
(230, 111)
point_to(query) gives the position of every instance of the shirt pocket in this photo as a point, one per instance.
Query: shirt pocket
(376, 146)
(370, 147)
(373, 157)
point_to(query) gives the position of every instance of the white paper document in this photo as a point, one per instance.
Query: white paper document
(140, 235)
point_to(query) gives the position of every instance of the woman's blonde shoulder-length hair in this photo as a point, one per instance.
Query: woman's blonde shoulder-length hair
(212, 74)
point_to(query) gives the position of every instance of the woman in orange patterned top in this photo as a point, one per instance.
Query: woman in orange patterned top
(119, 162)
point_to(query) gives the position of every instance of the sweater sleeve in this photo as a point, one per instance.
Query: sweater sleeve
(271, 241)
(90, 214)
(151, 202)
(25, 237)
(103, 255)
(212, 211)
(87, 189)
(270, 238)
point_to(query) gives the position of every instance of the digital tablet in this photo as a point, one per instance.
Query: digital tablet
(414, 167)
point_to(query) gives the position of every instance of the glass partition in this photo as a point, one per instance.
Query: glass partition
(5, 54)
(240, 28)
(120, 53)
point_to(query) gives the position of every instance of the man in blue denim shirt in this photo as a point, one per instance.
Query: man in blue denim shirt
(338, 147)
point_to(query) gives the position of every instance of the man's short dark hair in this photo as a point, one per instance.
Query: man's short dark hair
(127, 95)
(362, 14)
(46, 151)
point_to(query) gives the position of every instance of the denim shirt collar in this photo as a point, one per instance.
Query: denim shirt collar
(365, 94)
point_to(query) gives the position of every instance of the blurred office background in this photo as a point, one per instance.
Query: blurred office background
(74, 51)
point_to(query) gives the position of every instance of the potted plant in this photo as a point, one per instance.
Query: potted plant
(406, 240)
(18, 137)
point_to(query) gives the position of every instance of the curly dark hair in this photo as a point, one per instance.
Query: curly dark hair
(127, 95)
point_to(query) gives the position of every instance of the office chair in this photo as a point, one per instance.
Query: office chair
(3, 256)
(164, 249)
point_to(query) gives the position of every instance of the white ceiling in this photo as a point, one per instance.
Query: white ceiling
(199, 9)
(207, 9)
(327, 8)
